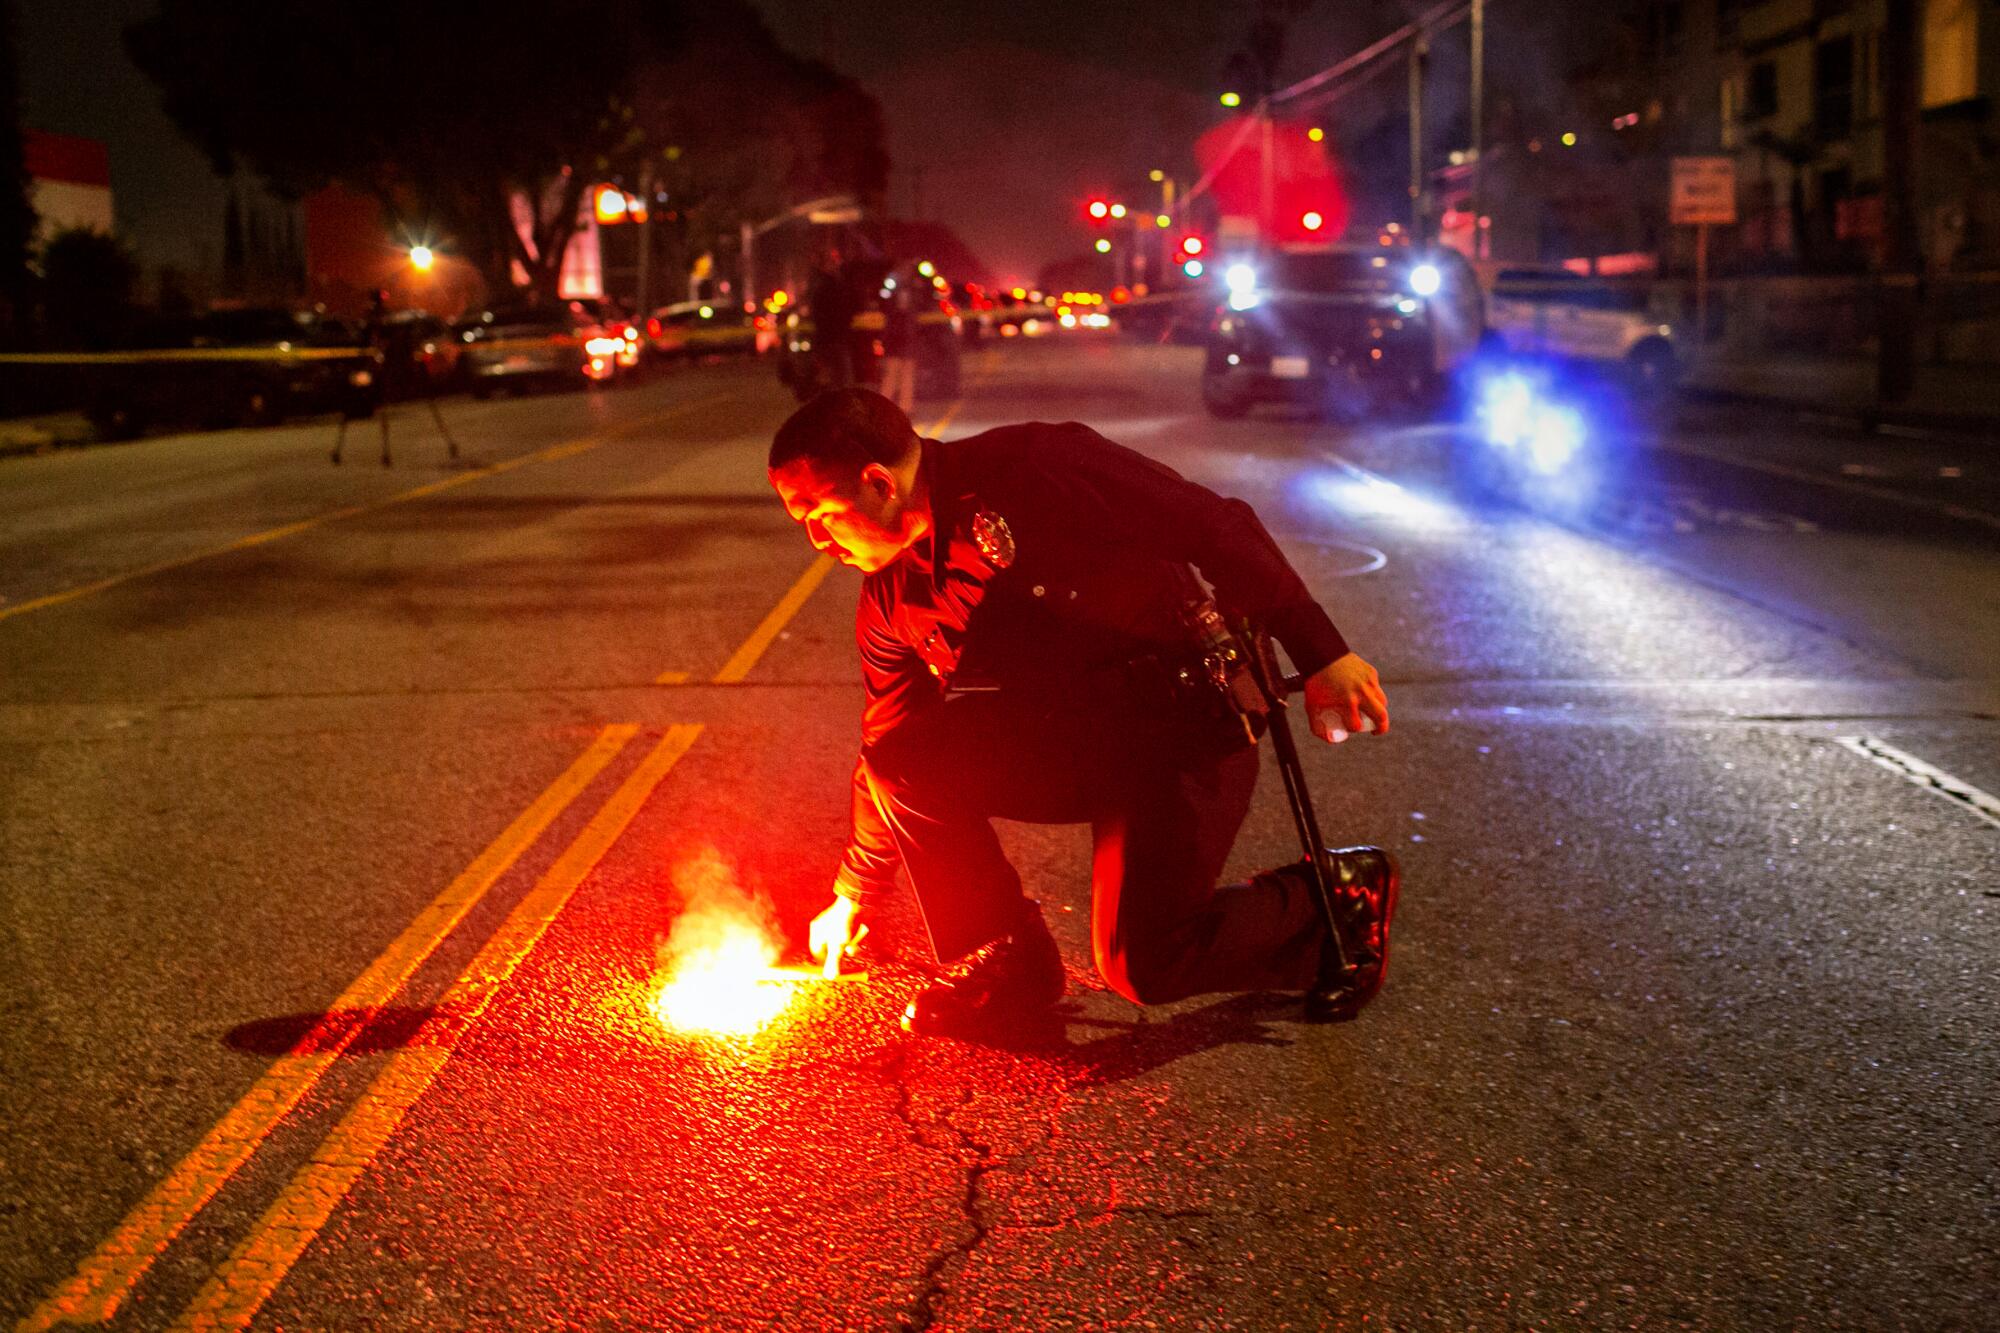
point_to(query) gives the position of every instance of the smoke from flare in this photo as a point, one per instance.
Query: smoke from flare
(718, 953)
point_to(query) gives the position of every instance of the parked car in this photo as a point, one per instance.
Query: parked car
(1560, 315)
(249, 367)
(540, 344)
(704, 328)
(620, 324)
(1346, 329)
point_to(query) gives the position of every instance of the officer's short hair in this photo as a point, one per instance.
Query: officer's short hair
(842, 431)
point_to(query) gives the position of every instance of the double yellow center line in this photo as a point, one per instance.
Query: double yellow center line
(241, 1285)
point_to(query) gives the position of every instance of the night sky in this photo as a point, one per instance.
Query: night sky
(75, 79)
(1001, 118)
(1016, 113)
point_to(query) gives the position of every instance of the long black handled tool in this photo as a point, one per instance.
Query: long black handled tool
(1336, 974)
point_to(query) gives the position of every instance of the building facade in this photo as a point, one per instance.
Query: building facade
(69, 182)
(1799, 105)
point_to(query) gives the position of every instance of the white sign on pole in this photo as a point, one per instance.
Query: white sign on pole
(1703, 191)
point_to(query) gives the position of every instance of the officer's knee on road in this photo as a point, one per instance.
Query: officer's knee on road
(1144, 976)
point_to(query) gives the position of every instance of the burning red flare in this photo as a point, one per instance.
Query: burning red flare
(717, 974)
(726, 985)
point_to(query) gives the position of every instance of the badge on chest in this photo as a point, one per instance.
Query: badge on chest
(994, 538)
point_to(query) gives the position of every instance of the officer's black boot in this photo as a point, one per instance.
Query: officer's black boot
(1365, 882)
(1015, 976)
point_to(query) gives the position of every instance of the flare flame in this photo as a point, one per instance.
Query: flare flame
(724, 987)
(717, 961)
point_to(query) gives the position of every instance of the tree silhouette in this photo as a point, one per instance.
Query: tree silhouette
(448, 112)
(17, 216)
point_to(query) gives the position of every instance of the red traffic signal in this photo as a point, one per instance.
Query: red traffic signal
(1191, 245)
(1099, 210)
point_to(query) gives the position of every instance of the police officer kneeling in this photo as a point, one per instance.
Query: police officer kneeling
(1024, 634)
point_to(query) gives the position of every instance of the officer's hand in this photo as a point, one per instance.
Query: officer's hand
(835, 931)
(1344, 694)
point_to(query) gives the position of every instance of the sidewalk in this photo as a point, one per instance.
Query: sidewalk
(1960, 399)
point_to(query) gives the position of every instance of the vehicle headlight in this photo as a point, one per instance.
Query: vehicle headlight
(1555, 438)
(1241, 279)
(1425, 279)
(1516, 416)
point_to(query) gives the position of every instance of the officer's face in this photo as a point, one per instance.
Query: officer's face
(863, 525)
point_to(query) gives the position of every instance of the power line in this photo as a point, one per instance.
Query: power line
(1436, 19)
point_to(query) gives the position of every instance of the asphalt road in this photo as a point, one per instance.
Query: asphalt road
(349, 814)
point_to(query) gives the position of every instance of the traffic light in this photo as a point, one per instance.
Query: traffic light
(1188, 255)
(1098, 210)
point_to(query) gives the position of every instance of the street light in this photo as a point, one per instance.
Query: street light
(422, 258)
(611, 205)
(833, 210)
(1156, 175)
(1232, 100)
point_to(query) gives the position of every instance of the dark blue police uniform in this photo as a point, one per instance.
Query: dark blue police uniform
(1021, 662)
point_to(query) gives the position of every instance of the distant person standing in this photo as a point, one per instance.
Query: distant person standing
(899, 342)
(830, 302)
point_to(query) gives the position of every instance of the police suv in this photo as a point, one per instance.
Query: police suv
(1345, 329)
(1563, 316)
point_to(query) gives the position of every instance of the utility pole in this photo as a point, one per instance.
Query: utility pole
(1420, 49)
(1478, 118)
(641, 303)
(1896, 304)
(1268, 211)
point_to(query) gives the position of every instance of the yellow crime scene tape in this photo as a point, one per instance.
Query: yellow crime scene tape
(143, 356)
(736, 333)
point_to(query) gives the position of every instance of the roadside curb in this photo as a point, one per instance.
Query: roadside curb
(22, 437)
(1868, 419)
(30, 447)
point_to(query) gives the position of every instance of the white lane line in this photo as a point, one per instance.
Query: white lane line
(1979, 804)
